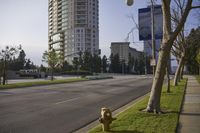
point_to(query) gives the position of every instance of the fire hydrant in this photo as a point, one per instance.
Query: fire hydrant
(106, 118)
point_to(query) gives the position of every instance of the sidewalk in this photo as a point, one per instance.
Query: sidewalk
(189, 121)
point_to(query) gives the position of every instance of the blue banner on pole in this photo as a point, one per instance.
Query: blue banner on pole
(145, 23)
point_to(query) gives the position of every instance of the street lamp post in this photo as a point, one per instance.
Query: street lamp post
(153, 61)
(129, 2)
(153, 38)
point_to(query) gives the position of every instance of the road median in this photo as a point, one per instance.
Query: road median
(49, 82)
(39, 83)
(135, 120)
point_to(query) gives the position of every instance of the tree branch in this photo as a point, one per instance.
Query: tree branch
(182, 20)
(175, 52)
(174, 45)
(194, 7)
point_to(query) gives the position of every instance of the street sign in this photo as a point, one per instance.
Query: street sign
(153, 62)
(145, 23)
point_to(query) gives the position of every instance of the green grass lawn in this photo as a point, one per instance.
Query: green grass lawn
(135, 121)
(36, 83)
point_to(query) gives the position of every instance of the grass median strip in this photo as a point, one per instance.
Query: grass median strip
(36, 83)
(135, 121)
(198, 78)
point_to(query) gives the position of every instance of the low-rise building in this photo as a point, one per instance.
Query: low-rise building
(124, 51)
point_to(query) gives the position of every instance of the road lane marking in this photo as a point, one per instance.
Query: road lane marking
(72, 99)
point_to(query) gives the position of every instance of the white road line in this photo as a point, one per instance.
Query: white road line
(67, 100)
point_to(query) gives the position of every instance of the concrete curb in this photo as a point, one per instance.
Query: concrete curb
(98, 77)
(115, 114)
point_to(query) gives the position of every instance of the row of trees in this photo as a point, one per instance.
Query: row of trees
(193, 50)
(173, 28)
(21, 62)
(88, 62)
(134, 65)
(186, 49)
(94, 63)
(85, 61)
(14, 58)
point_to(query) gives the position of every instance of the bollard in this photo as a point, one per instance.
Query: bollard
(106, 118)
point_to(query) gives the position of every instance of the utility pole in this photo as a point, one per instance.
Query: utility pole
(153, 61)
(145, 62)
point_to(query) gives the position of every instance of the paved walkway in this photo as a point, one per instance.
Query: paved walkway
(189, 121)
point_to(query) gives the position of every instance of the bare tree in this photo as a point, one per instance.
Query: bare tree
(169, 37)
(150, 45)
(180, 55)
(168, 77)
(179, 46)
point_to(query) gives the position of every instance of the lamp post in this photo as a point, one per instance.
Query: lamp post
(153, 61)
(129, 2)
(153, 38)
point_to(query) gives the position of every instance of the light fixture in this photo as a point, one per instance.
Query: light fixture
(129, 2)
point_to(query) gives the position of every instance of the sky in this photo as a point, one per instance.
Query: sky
(25, 22)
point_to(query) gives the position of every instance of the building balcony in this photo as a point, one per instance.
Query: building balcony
(54, 42)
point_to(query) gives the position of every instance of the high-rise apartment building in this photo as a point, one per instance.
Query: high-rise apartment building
(74, 27)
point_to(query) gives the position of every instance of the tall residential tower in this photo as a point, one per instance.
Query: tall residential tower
(74, 27)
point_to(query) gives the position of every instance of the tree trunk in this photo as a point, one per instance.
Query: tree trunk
(178, 71)
(182, 70)
(52, 74)
(199, 69)
(154, 100)
(0, 78)
(4, 73)
(168, 39)
(168, 78)
(4, 77)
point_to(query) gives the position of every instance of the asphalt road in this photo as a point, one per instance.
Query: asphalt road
(65, 108)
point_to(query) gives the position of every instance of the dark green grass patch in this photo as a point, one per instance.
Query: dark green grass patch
(198, 78)
(37, 83)
(135, 121)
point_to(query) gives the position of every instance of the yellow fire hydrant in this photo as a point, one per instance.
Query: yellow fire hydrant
(106, 118)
